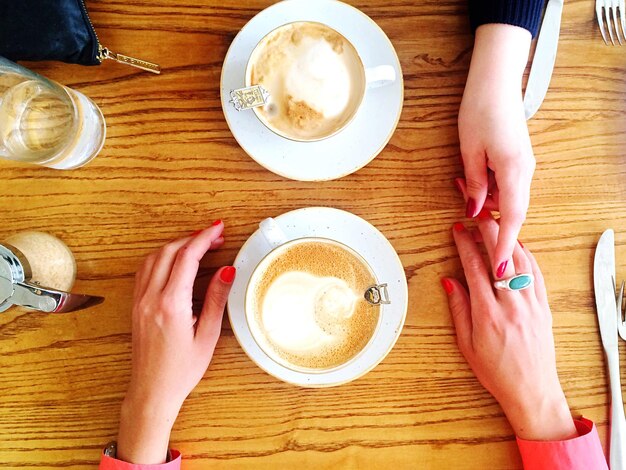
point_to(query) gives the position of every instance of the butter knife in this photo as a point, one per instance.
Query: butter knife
(607, 310)
(545, 56)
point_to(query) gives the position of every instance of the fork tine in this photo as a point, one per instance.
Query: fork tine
(607, 16)
(622, 16)
(616, 23)
(619, 304)
(600, 20)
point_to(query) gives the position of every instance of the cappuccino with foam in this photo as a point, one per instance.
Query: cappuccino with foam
(315, 78)
(305, 304)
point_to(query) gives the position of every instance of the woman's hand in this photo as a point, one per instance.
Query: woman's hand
(497, 153)
(506, 337)
(172, 348)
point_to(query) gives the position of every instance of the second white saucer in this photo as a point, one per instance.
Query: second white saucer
(356, 145)
(354, 232)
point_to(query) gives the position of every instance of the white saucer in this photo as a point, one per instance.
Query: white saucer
(354, 232)
(353, 147)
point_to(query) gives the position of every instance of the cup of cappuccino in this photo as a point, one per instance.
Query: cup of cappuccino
(313, 304)
(314, 78)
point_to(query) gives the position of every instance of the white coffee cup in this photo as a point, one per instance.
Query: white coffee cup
(315, 98)
(296, 328)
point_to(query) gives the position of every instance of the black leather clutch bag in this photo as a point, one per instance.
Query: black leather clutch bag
(55, 30)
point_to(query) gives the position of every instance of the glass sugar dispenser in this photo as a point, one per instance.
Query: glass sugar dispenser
(37, 271)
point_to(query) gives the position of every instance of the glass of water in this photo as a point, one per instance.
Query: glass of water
(45, 123)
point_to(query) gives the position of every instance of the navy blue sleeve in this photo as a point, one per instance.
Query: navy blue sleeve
(523, 13)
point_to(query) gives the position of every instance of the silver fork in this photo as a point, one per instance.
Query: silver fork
(612, 9)
(621, 321)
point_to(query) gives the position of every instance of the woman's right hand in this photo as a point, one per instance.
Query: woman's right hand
(497, 153)
(172, 347)
(506, 337)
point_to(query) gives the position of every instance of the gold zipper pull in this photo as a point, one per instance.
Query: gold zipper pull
(105, 53)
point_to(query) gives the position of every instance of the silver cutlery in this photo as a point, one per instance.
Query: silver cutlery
(621, 321)
(545, 56)
(608, 309)
(613, 12)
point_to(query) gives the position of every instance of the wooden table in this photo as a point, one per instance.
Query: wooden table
(170, 166)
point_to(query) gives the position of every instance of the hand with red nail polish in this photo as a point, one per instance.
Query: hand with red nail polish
(497, 152)
(171, 348)
(507, 339)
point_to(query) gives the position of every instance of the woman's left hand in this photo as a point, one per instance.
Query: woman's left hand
(506, 337)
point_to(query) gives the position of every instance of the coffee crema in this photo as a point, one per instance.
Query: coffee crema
(308, 306)
(315, 78)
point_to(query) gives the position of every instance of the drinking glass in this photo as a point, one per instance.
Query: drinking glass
(45, 123)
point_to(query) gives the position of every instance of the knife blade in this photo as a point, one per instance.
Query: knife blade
(74, 302)
(545, 56)
(607, 310)
(604, 288)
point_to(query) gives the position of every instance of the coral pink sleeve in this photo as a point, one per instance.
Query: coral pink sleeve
(580, 453)
(109, 463)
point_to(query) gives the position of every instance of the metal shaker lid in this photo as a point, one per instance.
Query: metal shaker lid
(12, 271)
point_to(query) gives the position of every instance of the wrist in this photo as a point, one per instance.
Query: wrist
(144, 432)
(543, 419)
(500, 54)
(140, 405)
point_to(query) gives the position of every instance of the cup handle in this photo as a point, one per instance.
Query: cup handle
(273, 234)
(380, 76)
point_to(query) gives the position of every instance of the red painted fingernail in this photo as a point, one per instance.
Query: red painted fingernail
(457, 183)
(501, 269)
(228, 274)
(447, 285)
(470, 211)
(484, 214)
(217, 222)
(196, 232)
(458, 227)
(520, 243)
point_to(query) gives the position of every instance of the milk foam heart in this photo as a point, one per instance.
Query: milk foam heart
(305, 304)
(299, 310)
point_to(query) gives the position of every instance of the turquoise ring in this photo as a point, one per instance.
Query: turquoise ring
(517, 282)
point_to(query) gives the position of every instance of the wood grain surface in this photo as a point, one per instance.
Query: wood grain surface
(170, 166)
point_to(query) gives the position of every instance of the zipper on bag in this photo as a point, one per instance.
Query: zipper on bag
(105, 53)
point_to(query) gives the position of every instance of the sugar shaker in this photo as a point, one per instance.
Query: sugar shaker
(37, 271)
